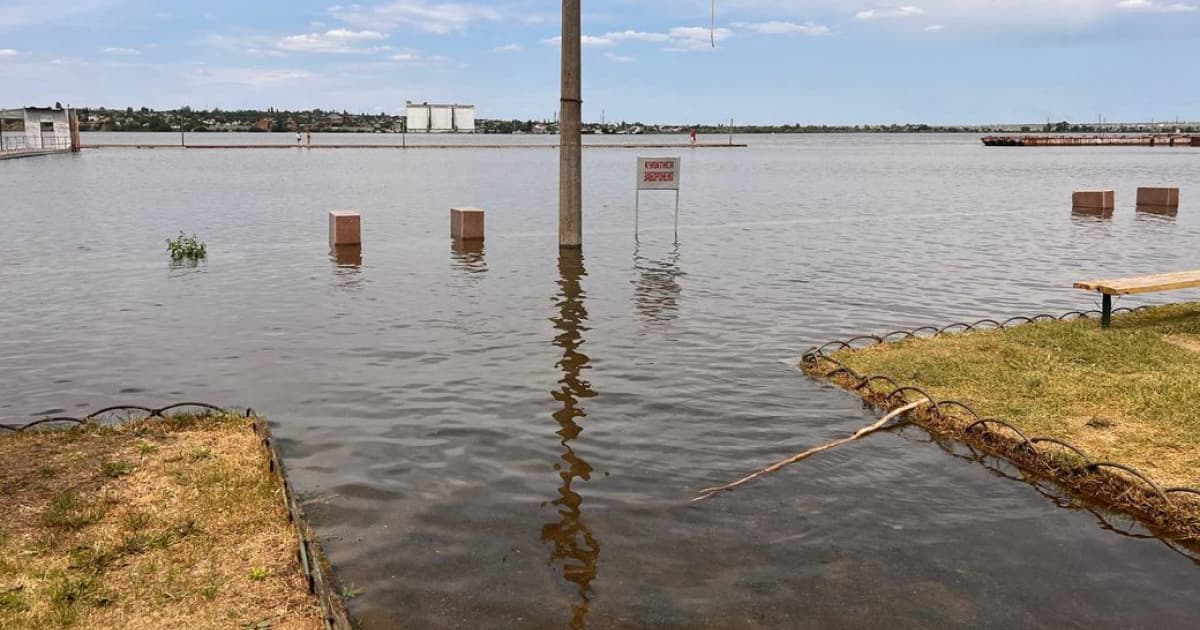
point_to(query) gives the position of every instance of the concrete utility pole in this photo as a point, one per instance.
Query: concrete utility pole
(570, 168)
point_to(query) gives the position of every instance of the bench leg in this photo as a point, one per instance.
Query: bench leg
(1106, 315)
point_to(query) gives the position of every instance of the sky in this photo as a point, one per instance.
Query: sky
(653, 61)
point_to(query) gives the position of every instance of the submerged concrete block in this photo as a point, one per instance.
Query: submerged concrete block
(1161, 197)
(346, 255)
(1094, 200)
(1097, 213)
(345, 228)
(466, 224)
(1162, 211)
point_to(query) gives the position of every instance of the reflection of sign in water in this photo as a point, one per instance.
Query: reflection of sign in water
(660, 173)
(657, 290)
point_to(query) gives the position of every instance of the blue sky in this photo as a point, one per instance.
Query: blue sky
(776, 61)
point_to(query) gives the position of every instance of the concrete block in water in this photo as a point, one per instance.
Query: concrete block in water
(466, 224)
(1094, 200)
(345, 228)
(1160, 197)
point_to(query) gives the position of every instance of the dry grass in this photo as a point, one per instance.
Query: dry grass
(156, 524)
(1128, 394)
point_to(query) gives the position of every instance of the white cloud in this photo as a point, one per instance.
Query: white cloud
(419, 14)
(337, 40)
(9, 52)
(784, 28)
(121, 52)
(587, 40)
(611, 56)
(996, 16)
(679, 39)
(32, 12)
(934, 28)
(261, 52)
(890, 12)
(1156, 6)
(249, 77)
(637, 36)
(684, 38)
(507, 48)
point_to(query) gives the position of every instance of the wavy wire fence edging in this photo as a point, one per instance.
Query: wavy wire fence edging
(1171, 511)
(317, 570)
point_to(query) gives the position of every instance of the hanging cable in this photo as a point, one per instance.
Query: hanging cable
(712, 30)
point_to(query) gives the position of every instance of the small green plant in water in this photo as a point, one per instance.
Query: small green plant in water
(186, 248)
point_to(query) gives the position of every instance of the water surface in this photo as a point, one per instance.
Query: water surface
(497, 436)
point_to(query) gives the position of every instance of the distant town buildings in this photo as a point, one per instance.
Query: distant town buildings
(429, 118)
(436, 118)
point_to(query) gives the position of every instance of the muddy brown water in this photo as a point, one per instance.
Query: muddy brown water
(496, 437)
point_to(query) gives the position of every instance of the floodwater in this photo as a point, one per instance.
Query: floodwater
(498, 436)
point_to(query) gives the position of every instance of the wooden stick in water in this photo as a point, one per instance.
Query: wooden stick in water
(708, 493)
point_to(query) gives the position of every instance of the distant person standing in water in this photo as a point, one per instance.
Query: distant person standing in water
(308, 133)
(297, 137)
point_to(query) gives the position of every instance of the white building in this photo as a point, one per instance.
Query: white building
(430, 118)
(38, 129)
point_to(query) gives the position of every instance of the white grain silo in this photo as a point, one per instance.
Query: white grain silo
(464, 118)
(431, 118)
(441, 118)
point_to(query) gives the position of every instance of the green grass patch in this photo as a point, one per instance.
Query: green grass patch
(152, 523)
(69, 597)
(116, 469)
(13, 601)
(69, 511)
(1126, 394)
(199, 453)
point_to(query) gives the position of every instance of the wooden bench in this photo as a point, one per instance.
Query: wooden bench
(1140, 284)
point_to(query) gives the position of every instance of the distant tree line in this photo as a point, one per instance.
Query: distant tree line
(318, 120)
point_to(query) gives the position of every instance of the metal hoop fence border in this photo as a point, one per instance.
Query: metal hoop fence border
(313, 562)
(1109, 483)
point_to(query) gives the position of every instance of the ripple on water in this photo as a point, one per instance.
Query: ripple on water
(489, 436)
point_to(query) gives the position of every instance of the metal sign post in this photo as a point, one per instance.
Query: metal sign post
(657, 174)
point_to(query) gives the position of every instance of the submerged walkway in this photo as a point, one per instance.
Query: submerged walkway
(416, 146)
(24, 153)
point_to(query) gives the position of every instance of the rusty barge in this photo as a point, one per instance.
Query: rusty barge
(1157, 140)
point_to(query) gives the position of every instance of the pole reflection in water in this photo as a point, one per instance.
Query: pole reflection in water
(575, 549)
(656, 289)
(468, 256)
